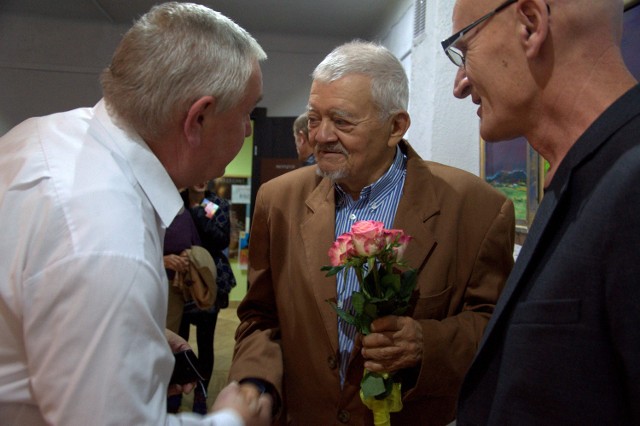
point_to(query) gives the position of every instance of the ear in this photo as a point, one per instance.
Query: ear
(400, 123)
(304, 138)
(196, 116)
(533, 16)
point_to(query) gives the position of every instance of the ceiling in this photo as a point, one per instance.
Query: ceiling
(340, 18)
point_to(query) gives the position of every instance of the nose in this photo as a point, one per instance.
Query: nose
(325, 132)
(461, 85)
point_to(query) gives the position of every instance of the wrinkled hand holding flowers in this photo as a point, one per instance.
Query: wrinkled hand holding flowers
(375, 255)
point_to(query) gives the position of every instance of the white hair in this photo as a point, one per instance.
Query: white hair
(172, 56)
(389, 83)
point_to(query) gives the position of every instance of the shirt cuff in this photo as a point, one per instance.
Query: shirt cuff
(226, 417)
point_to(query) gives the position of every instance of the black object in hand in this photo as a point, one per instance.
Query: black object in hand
(185, 369)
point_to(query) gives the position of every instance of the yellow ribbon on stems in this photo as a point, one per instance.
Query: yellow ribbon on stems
(382, 408)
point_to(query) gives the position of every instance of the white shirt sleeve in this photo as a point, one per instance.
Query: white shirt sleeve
(220, 418)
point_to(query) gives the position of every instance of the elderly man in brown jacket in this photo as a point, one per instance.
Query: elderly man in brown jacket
(462, 229)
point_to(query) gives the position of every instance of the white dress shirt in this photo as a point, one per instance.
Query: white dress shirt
(83, 291)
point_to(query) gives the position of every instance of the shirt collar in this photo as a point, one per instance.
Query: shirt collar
(143, 167)
(380, 187)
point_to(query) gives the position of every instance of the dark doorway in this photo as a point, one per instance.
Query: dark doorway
(274, 151)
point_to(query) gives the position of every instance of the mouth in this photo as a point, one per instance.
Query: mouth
(329, 155)
(477, 101)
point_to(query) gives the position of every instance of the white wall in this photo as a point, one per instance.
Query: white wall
(287, 71)
(443, 128)
(48, 65)
(447, 128)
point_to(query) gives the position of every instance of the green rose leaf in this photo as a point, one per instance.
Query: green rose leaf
(409, 279)
(371, 310)
(358, 301)
(332, 270)
(347, 317)
(372, 385)
(392, 283)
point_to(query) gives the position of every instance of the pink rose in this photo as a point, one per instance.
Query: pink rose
(367, 228)
(341, 250)
(368, 237)
(403, 240)
(391, 235)
(397, 236)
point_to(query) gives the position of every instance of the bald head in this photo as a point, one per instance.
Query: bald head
(543, 69)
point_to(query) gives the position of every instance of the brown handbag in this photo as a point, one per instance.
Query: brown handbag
(198, 282)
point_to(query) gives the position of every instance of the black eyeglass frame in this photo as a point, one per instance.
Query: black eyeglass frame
(456, 56)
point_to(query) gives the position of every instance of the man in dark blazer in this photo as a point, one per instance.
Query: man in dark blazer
(563, 345)
(462, 229)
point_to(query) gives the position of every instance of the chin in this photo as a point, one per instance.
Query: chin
(334, 175)
(491, 133)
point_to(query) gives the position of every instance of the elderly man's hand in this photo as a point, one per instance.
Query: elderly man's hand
(394, 343)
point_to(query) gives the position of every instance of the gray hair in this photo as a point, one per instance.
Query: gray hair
(171, 57)
(389, 83)
(301, 124)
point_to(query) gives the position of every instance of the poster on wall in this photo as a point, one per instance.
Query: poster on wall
(236, 190)
(505, 168)
(515, 169)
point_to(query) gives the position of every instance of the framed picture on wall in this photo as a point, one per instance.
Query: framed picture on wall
(516, 170)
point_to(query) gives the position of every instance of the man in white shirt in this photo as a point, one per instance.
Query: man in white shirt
(85, 197)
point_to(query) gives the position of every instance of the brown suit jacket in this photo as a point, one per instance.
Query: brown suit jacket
(463, 232)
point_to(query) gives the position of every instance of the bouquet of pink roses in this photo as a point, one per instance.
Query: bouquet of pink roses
(375, 255)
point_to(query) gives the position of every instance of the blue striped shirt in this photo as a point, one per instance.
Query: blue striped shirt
(378, 201)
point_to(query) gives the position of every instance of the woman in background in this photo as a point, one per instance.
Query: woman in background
(210, 214)
(181, 235)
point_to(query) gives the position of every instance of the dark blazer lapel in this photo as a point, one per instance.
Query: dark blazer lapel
(531, 245)
(523, 263)
(317, 232)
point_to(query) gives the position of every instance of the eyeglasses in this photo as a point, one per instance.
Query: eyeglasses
(455, 54)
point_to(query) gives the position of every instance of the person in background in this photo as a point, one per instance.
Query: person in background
(563, 344)
(211, 216)
(83, 289)
(301, 138)
(180, 236)
(290, 342)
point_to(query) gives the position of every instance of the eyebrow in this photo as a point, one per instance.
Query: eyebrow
(336, 112)
(342, 113)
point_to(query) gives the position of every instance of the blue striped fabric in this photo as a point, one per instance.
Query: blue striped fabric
(378, 201)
